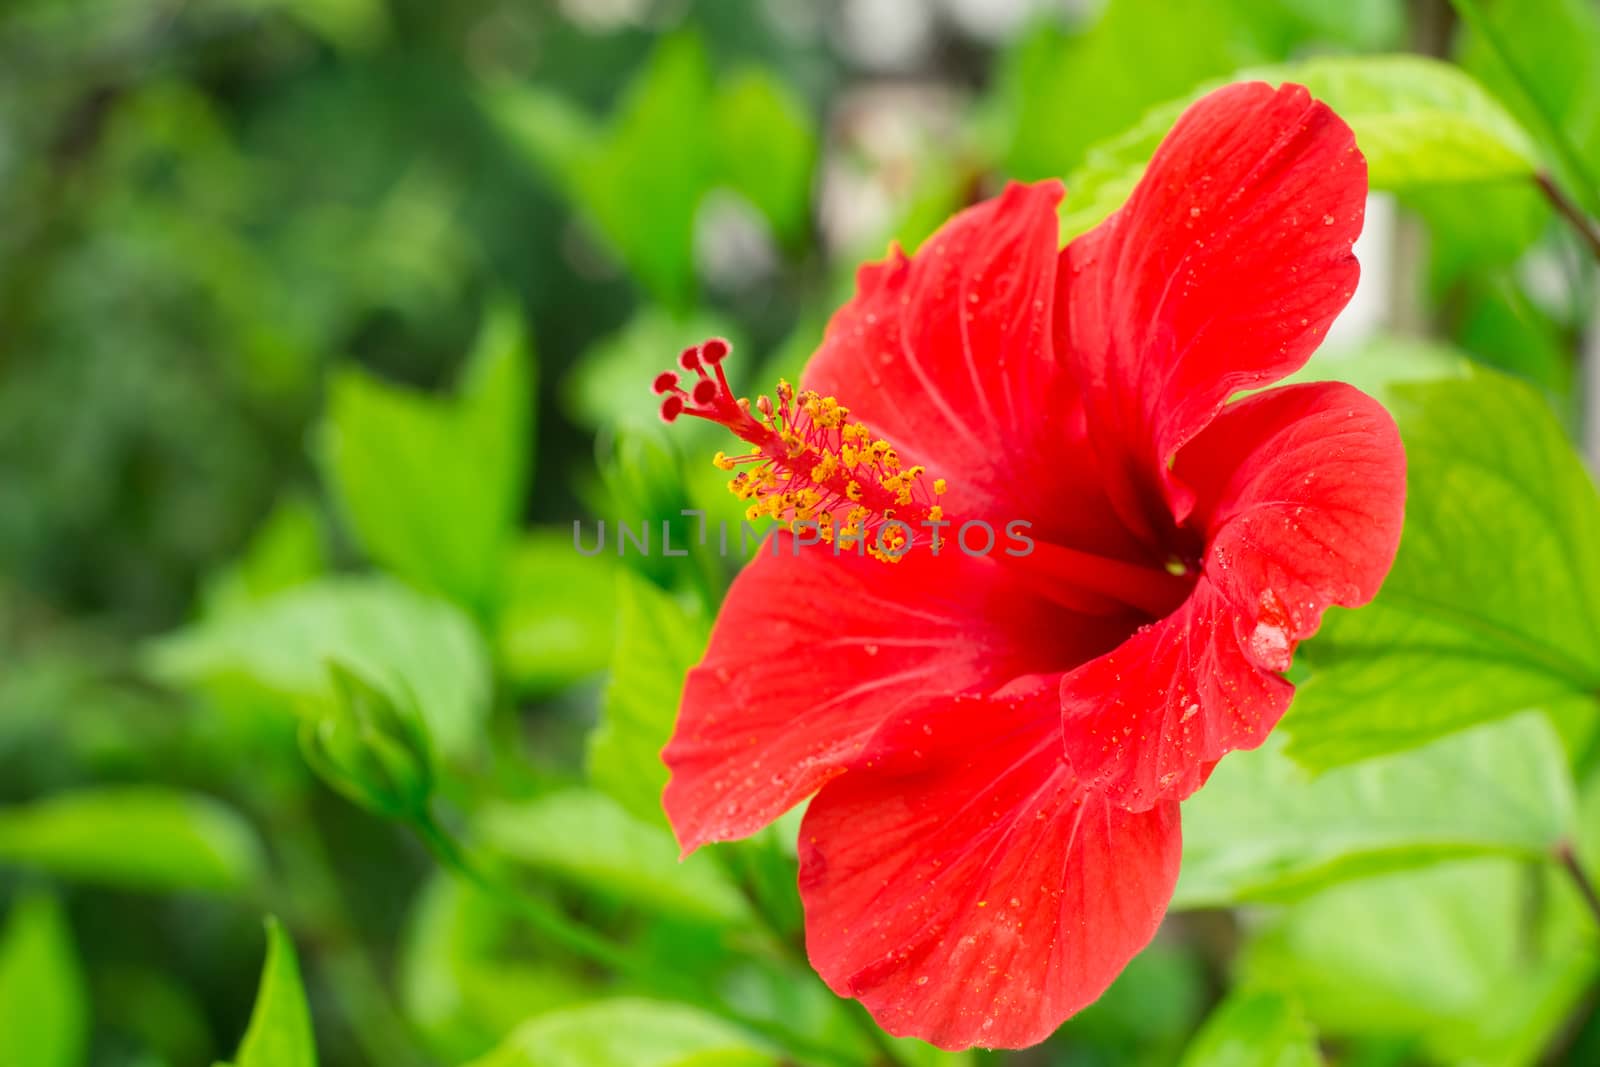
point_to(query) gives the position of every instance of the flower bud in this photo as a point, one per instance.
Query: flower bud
(369, 747)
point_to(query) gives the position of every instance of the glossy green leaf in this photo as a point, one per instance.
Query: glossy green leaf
(433, 487)
(657, 642)
(1254, 1029)
(1418, 121)
(585, 838)
(622, 1033)
(557, 611)
(138, 837)
(1478, 960)
(1265, 828)
(280, 1032)
(420, 649)
(1493, 604)
(44, 1010)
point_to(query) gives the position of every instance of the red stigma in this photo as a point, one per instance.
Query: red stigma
(665, 382)
(671, 408)
(689, 359)
(714, 350)
(704, 392)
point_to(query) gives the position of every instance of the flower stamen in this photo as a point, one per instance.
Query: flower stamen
(810, 466)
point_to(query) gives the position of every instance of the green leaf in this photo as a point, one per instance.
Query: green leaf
(286, 551)
(657, 642)
(639, 181)
(1065, 91)
(1254, 1029)
(584, 837)
(280, 1026)
(1263, 828)
(623, 1033)
(43, 1000)
(557, 614)
(1553, 44)
(465, 973)
(1419, 122)
(139, 837)
(767, 150)
(1479, 960)
(417, 648)
(433, 487)
(1493, 605)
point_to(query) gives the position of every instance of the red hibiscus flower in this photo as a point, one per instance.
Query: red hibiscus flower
(996, 740)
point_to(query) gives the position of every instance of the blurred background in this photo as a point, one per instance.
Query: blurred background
(320, 323)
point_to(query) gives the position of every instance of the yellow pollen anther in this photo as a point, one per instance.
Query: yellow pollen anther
(809, 463)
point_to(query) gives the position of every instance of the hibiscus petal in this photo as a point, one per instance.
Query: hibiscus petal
(1301, 491)
(1145, 721)
(948, 354)
(966, 889)
(1222, 272)
(1300, 494)
(811, 652)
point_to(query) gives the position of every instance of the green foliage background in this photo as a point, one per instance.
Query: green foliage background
(322, 320)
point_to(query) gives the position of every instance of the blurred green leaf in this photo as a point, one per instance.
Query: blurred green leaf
(1418, 121)
(353, 24)
(557, 612)
(286, 551)
(657, 642)
(584, 837)
(1254, 1029)
(280, 1026)
(1493, 604)
(465, 976)
(1462, 957)
(1067, 90)
(1380, 363)
(140, 837)
(1498, 788)
(433, 487)
(767, 150)
(624, 1033)
(639, 180)
(1148, 1013)
(416, 647)
(43, 1002)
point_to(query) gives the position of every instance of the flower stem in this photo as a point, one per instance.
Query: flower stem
(1567, 856)
(1586, 228)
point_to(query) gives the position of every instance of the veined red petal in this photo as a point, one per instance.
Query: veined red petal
(1301, 492)
(962, 884)
(812, 652)
(1222, 272)
(1301, 495)
(948, 354)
